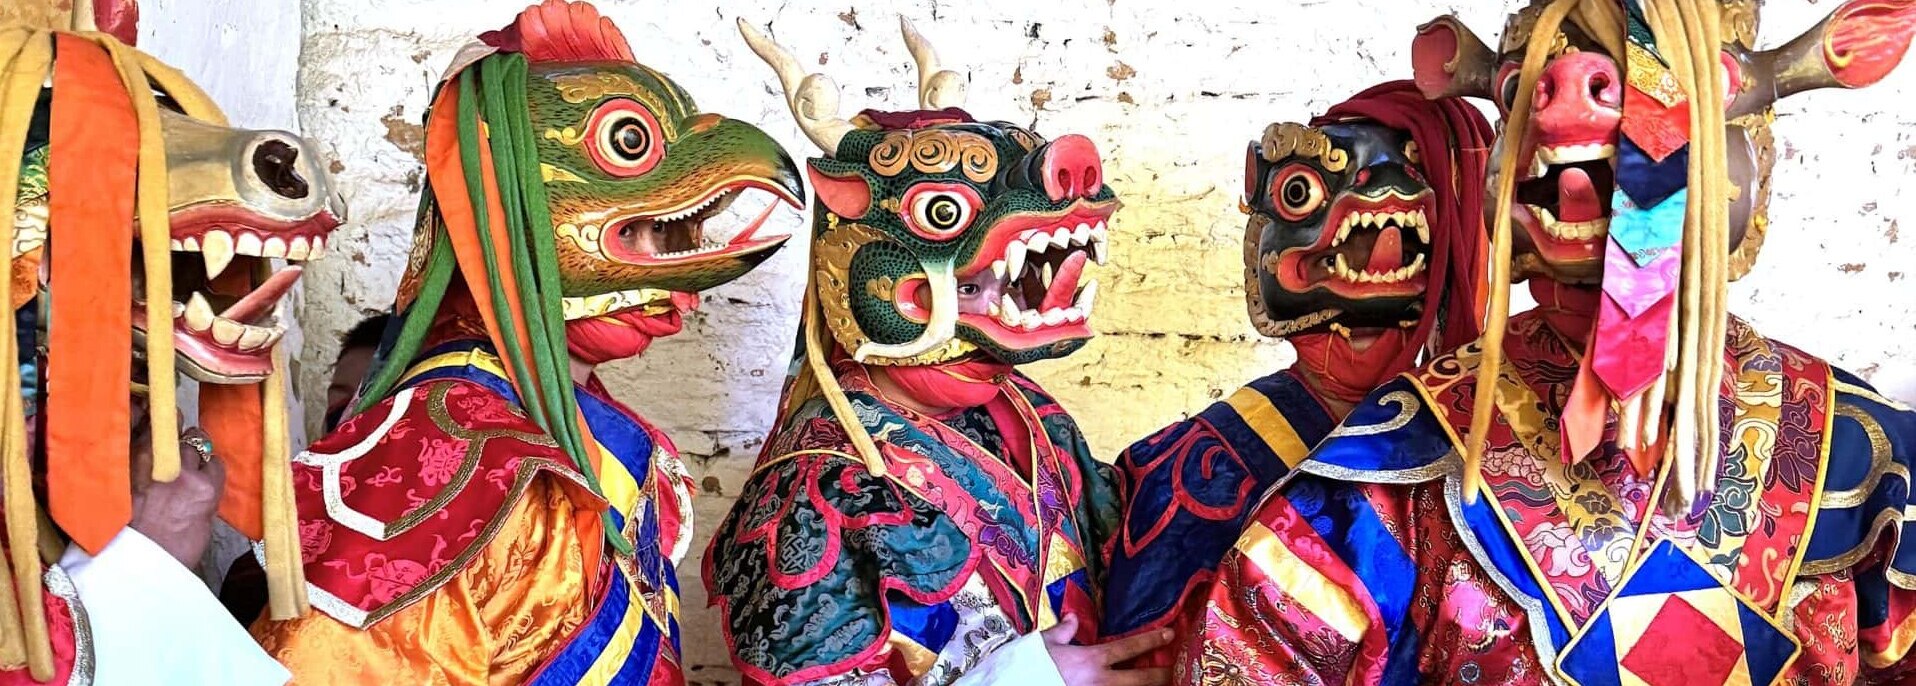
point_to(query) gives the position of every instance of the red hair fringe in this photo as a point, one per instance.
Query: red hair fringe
(1454, 140)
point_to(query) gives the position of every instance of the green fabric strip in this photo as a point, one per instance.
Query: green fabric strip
(469, 164)
(503, 79)
(493, 91)
(545, 253)
(422, 313)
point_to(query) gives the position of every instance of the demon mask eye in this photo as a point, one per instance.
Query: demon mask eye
(1297, 191)
(940, 211)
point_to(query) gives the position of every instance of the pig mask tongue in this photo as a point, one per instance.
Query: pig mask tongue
(1577, 199)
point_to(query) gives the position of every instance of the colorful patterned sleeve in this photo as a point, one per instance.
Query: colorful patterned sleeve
(1854, 610)
(1181, 488)
(1096, 497)
(515, 601)
(1186, 493)
(824, 572)
(1285, 607)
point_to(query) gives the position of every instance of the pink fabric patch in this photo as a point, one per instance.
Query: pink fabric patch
(1635, 289)
(1633, 321)
(1628, 351)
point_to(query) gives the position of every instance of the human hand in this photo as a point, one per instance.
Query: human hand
(178, 515)
(1094, 665)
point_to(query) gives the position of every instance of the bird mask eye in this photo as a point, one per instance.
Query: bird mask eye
(624, 139)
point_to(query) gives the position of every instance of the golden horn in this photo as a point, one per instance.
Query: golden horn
(938, 88)
(813, 98)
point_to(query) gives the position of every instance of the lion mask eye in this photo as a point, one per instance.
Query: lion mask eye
(940, 211)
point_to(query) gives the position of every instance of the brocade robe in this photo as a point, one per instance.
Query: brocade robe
(1187, 491)
(448, 540)
(70, 638)
(825, 573)
(1367, 565)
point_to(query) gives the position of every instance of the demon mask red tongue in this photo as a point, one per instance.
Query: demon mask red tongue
(1064, 284)
(1577, 197)
(1388, 252)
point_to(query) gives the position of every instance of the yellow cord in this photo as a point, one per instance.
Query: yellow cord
(13, 649)
(1603, 22)
(1484, 405)
(285, 584)
(27, 56)
(1689, 33)
(816, 343)
(193, 102)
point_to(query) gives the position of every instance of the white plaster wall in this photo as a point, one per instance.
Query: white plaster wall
(246, 57)
(1169, 90)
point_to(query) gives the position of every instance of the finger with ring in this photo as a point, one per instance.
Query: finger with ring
(200, 444)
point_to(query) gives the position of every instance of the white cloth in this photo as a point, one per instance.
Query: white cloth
(154, 622)
(1024, 661)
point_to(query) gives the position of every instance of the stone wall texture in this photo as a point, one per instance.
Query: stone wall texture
(1170, 91)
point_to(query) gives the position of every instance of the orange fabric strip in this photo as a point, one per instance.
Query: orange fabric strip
(444, 167)
(95, 142)
(503, 249)
(232, 416)
(1584, 414)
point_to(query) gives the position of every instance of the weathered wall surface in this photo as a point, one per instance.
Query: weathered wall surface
(211, 42)
(1169, 90)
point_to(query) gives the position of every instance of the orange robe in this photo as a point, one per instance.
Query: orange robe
(516, 599)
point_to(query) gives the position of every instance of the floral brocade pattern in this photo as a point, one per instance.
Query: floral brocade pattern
(449, 541)
(1582, 524)
(815, 543)
(1259, 625)
(1466, 597)
(824, 571)
(1579, 522)
(521, 598)
(468, 457)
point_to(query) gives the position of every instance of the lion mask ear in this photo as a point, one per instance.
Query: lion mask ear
(846, 194)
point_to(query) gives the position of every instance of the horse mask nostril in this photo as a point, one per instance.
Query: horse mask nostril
(275, 164)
